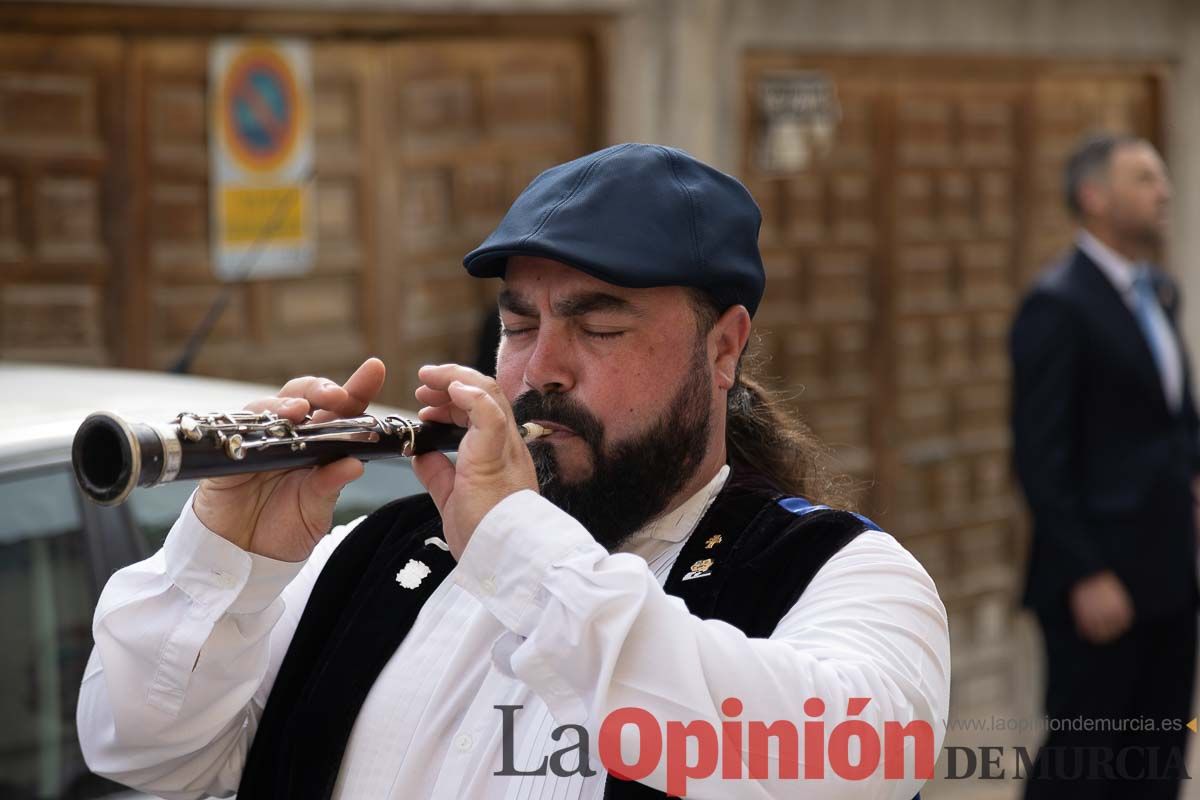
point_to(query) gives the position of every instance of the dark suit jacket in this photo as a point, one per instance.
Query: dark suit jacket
(1105, 464)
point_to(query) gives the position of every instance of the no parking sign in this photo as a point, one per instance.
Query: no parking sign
(261, 162)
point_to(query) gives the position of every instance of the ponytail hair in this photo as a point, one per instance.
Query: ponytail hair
(764, 434)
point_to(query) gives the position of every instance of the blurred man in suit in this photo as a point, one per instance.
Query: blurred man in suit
(1105, 441)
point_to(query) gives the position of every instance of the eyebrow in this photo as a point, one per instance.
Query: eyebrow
(571, 306)
(514, 303)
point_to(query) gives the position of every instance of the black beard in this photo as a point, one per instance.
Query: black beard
(633, 481)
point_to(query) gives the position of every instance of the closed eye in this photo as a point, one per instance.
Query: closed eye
(506, 332)
(604, 334)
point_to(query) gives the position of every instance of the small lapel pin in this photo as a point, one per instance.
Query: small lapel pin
(411, 575)
(699, 569)
(712, 542)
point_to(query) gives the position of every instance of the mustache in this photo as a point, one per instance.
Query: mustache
(561, 410)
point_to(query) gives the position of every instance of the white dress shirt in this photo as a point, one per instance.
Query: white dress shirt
(1121, 273)
(536, 613)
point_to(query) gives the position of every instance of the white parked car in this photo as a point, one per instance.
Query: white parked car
(57, 549)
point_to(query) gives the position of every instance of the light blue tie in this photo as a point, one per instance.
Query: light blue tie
(1147, 306)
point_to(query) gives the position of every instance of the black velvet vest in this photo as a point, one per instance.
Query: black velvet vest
(769, 549)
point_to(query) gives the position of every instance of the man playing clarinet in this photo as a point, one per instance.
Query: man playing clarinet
(671, 553)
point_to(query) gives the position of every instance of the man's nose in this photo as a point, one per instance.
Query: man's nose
(549, 368)
(1162, 187)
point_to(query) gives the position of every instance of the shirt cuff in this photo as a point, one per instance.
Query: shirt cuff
(508, 555)
(218, 575)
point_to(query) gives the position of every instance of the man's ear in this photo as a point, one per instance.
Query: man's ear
(728, 339)
(1093, 198)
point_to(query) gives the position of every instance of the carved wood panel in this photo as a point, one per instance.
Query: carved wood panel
(60, 203)
(956, 250)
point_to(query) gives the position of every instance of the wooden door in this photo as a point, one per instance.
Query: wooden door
(61, 199)
(894, 268)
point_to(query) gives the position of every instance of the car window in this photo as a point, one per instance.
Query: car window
(155, 510)
(47, 595)
(382, 482)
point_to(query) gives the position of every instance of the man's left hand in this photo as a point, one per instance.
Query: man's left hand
(493, 460)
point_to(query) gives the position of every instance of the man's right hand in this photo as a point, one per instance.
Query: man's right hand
(1102, 608)
(283, 514)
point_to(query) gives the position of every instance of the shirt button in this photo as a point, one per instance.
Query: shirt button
(464, 742)
(488, 586)
(225, 579)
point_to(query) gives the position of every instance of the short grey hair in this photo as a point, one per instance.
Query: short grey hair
(1090, 158)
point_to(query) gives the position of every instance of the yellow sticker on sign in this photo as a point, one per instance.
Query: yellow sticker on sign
(266, 216)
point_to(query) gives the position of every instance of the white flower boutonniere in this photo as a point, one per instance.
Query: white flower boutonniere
(412, 574)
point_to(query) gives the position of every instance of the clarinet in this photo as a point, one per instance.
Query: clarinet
(111, 456)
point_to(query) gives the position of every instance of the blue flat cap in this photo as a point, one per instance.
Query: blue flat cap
(636, 215)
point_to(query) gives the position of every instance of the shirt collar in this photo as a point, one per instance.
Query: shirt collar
(1118, 269)
(678, 524)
